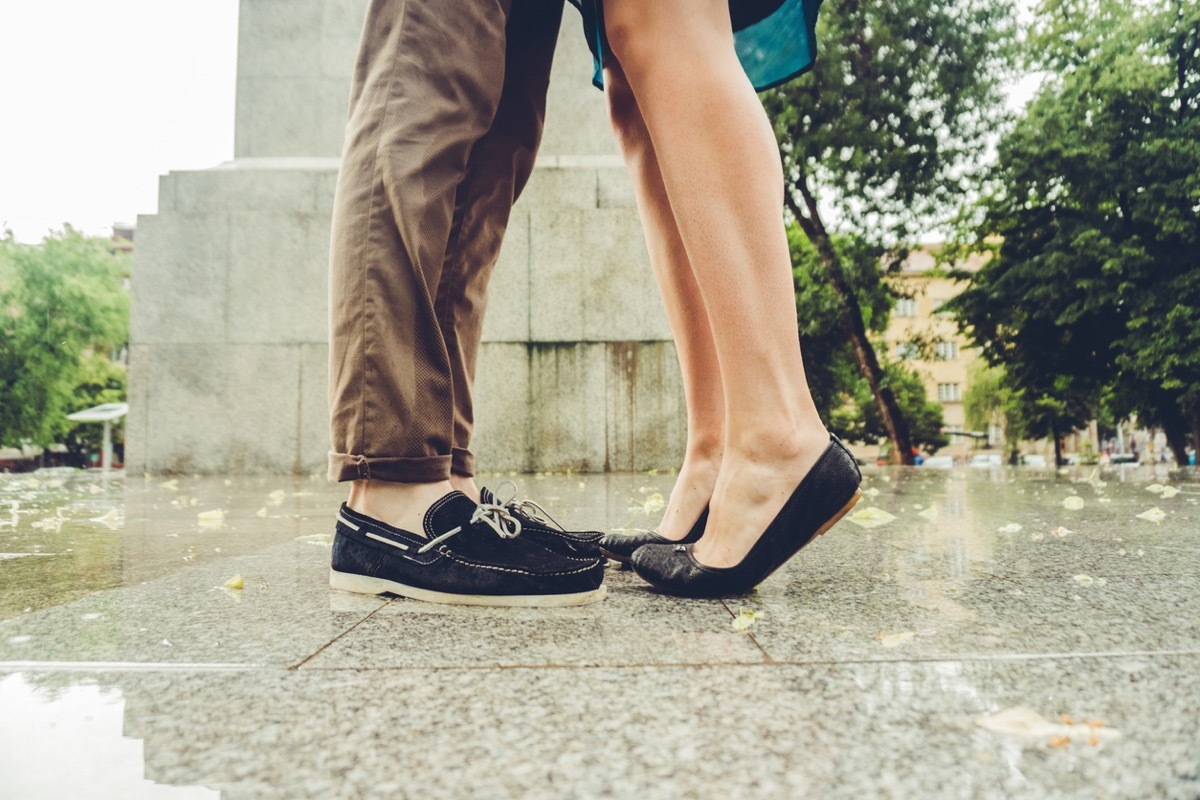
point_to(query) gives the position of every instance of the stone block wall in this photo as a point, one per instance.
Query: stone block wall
(228, 361)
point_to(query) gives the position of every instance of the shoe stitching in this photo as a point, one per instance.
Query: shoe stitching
(464, 562)
(433, 509)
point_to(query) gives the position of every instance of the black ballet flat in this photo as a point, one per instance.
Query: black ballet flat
(620, 547)
(825, 495)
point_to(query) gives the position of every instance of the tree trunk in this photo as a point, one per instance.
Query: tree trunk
(1058, 454)
(1177, 441)
(855, 328)
(1194, 419)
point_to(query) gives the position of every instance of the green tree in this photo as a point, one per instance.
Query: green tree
(841, 393)
(1094, 290)
(63, 309)
(884, 137)
(924, 416)
(829, 363)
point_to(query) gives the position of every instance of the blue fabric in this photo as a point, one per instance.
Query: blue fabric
(772, 50)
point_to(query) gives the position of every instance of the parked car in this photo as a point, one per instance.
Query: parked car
(986, 460)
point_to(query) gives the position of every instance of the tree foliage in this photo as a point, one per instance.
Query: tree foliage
(881, 141)
(63, 309)
(839, 390)
(1094, 290)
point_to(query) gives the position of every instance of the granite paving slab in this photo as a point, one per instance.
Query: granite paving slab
(897, 618)
(1099, 727)
(284, 613)
(631, 627)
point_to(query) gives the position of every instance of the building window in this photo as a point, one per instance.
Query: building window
(939, 312)
(946, 351)
(949, 392)
(907, 350)
(906, 307)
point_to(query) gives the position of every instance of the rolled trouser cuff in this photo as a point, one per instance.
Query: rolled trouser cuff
(462, 462)
(427, 469)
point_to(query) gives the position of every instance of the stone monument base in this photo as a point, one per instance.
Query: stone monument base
(228, 364)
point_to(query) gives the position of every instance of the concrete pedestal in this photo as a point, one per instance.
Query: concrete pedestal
(229, 331)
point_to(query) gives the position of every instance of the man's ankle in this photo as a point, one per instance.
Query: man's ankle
(466, 485)
(401, 505)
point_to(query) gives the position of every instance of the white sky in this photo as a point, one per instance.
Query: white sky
(97, 99)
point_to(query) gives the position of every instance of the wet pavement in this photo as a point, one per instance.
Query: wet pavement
(968, 633)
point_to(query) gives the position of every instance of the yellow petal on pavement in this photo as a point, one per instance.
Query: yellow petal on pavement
(1155, 515)
(870, 517)
(895, 639)
(745, 619)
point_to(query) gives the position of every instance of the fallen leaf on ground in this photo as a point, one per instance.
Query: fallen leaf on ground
(1026, 723)
(872, 492)
(276, 497)
(112, 519)
(211, 519)
(894, 639)
(745, 619)
(870, 517)
(1037, 536)
(1155, 515)
(1169, 491)
(1073, 503)
(1012, 527)
(235, 582)
(1060, 531)
(1155, 488)
(1084, 580)
(262, 512)
(650, 505)
(171, 485)
(930, 514)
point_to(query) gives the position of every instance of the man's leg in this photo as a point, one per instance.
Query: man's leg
(427, 86)
(499, 167)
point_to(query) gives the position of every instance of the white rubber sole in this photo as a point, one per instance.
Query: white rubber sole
(362, 584)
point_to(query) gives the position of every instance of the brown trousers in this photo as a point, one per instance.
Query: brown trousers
(446, 115)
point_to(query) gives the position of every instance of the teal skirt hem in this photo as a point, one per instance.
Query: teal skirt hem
(773, 49)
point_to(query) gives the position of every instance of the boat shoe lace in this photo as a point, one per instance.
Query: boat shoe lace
(494, 515)
(527, 508)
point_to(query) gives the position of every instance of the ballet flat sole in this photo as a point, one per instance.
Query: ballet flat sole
(836, 518)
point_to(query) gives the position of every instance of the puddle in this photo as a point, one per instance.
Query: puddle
(68, 741)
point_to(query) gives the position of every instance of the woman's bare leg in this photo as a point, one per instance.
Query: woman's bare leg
(721, 171)
(685, 312)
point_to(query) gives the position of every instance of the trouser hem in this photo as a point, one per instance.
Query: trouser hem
(462, 462)
(428, 469)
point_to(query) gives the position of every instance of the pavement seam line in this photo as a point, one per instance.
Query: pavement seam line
(338, 638)
(750, 634)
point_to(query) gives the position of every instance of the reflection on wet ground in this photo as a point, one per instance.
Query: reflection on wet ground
(966, 633)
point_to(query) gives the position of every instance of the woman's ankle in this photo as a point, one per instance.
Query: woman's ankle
(778, 444)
